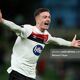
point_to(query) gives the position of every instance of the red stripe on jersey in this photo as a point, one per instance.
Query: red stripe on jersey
(41, 36)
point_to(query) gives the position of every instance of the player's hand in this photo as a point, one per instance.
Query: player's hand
(1, 19)
(75, 43)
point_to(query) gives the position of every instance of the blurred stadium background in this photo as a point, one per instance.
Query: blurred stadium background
(65, 16)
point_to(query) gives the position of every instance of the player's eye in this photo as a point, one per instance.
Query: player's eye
(44, 17)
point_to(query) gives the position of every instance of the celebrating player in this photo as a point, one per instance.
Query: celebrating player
(29, 44)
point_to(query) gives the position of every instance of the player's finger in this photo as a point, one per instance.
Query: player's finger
(74, 37)
(78, 46)
(78, 43)
(78, 40)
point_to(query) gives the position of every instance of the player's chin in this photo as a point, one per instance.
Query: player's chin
(46, 27)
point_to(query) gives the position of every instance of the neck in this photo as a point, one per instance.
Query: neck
(42, 30)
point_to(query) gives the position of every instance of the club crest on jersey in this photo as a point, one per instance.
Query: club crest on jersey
(37, 50)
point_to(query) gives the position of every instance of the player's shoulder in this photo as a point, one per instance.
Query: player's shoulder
(27, 26)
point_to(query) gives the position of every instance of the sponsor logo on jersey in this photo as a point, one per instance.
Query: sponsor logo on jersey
(37, 50)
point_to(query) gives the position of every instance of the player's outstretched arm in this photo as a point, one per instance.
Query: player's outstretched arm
(10, 24)
(60, 41)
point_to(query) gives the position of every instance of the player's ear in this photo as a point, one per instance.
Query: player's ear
(36, 19)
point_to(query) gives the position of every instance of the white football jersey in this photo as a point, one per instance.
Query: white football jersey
(28, 47)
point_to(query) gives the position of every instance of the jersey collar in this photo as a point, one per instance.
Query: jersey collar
(38, 31)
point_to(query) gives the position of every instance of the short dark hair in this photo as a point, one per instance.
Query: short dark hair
(40, 10)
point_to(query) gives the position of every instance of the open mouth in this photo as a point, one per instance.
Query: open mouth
(46, 23)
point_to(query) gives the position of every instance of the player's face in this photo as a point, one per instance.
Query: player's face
(44, 20)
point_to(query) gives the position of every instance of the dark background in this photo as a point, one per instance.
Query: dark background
(12, 8)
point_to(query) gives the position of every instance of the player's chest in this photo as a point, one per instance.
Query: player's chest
(39, 38)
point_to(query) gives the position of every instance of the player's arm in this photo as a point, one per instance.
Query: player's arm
(60, 41)
(10, 25)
